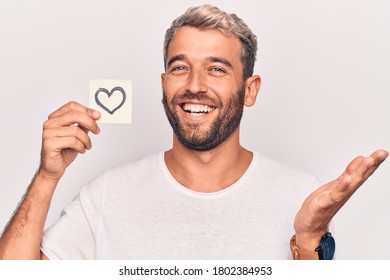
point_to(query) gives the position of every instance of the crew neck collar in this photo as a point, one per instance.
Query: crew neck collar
(207, 195)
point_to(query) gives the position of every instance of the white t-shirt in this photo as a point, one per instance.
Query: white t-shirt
(139, 211)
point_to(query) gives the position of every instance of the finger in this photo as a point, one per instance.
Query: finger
(74, 106)
(380, 156)
(341, 191)
(351, 167)
(71, 118)
(83, 129)
(332, 200)
(69, 131)
(355, 175)
(59, 144)
(375, 160)
(366, 168)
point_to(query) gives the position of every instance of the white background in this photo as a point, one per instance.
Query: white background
(325, 96)
(108, 269)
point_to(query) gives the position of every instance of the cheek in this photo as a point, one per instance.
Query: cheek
(224, 85)
(172, 85)
(223, 91)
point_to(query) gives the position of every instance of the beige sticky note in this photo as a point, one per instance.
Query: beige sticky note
(112, 98)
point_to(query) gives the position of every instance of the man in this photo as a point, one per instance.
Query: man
(206, 198)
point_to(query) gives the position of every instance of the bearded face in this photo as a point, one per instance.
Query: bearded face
(202, 136)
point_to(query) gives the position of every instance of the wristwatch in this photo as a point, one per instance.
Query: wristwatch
(324, 251)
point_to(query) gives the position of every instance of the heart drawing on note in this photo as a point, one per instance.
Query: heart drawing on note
(110, 101)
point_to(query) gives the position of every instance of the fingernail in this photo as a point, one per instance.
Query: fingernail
(96, 114)
(382, 159)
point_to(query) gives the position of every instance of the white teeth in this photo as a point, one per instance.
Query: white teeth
(197, 108)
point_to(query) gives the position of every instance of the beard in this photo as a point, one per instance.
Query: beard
(192, 135)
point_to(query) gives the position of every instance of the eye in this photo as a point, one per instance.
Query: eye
(179, 69)
(217, 71)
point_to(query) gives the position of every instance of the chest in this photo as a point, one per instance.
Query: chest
(161, 228)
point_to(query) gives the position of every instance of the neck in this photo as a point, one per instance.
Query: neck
(208, 171)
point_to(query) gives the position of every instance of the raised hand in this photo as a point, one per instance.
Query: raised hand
(65, 135)
(311, 221)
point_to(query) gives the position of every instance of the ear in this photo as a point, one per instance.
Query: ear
(163, 76)
(252, 87)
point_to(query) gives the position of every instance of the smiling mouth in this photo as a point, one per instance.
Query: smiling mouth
(193, 109)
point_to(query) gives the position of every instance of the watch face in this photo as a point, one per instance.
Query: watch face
(327, 247)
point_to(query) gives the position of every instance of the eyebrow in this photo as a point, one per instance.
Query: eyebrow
(175, 58)
(211, 59)
(220, 60)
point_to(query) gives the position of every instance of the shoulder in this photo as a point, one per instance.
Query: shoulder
(274, 166)
(142, 167)
(141, 172)
(280, 173)
(127, 174)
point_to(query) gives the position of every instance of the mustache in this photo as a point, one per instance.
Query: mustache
(201, 97)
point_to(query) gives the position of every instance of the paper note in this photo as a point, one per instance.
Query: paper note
(112, 98)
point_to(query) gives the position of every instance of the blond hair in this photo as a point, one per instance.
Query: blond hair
(210, 17)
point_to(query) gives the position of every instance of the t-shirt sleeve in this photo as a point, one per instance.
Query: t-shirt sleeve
(73, 235)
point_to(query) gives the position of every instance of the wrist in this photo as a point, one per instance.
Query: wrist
(45, 183)
(324, 250)
(301, 254)
(44, 175)
(308, 241)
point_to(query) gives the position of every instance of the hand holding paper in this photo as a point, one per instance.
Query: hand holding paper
(65, 134)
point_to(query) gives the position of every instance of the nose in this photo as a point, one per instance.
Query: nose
(197, 82)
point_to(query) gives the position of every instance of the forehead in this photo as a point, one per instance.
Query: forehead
(199, 44)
